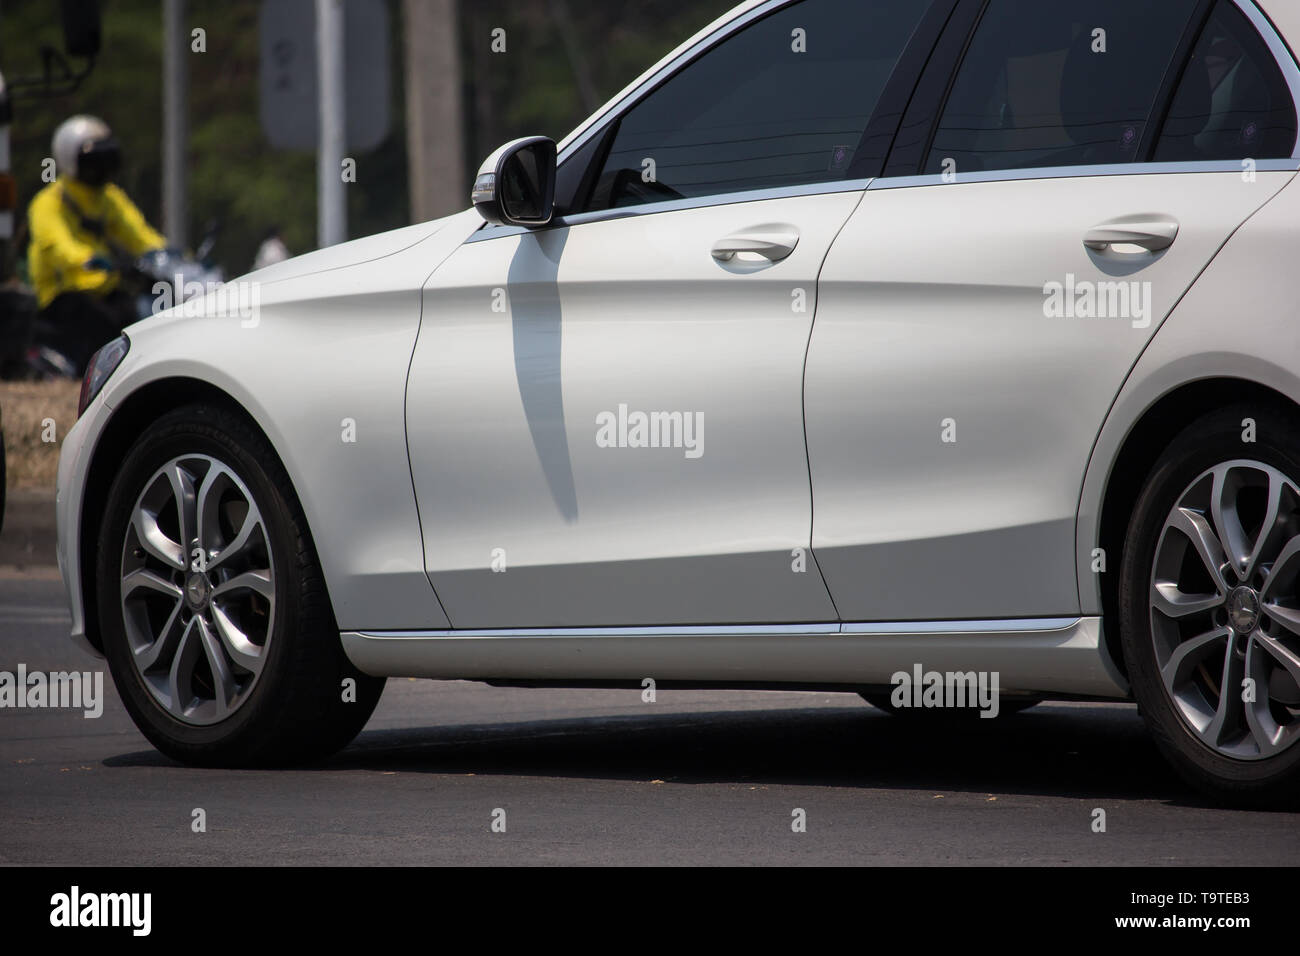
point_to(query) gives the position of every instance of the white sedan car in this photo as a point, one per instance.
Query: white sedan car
(927, 349)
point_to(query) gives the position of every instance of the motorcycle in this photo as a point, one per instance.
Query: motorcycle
(156, 281)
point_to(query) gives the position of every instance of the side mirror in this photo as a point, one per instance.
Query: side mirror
(516, 185)
(80, 27)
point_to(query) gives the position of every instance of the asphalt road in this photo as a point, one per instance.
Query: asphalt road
(600, 777)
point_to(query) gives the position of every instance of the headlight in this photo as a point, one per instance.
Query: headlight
(101, 365)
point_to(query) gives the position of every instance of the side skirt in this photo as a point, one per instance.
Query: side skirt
(1045, 656)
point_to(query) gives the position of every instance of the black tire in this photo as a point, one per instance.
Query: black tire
(1215, 439)
(295, 711)
(1007, 705)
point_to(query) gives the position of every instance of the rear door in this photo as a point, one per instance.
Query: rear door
(983, 305)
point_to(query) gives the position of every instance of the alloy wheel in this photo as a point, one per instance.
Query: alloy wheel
(197, 589)
(1225, 609)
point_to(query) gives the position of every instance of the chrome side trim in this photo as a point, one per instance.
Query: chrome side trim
(1073, 172)
(676, 205)
(533, 633)
(1051, 656)
(1281, 53)
(1014, 626)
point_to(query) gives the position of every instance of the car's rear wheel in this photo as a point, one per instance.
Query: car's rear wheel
(215, 620)
(1210, 605)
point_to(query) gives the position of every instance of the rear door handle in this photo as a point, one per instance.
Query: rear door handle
(773, 245)
(1151, 234)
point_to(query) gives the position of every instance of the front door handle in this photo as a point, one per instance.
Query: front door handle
(1151, 234)
(772, 245)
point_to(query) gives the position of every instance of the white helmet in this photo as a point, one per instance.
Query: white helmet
(84, 148)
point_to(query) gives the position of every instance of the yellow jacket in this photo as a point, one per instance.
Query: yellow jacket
(62, 220)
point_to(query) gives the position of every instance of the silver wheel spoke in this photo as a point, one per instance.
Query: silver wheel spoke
(183, 492)
(1234, 685)
(163, 646)
(1229, 697)
(241, 540)
(1197, 530)
(155, 542)
(143, 580)
(1288, 617)
(180, 698)
(257, 581)
(223, 681)
(1189, 654)
(1276, 572)
(1281, 654)
(198, 629)
(1171, 602)
(1268, 734)
(241, 650)
(1269, 527)
(205, 519)
(1227, 524)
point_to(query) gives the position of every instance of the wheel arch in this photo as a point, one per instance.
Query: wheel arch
(1147, 439)
(136, 412)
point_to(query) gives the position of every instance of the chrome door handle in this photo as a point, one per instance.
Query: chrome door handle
(1152, 235)
(771, 245)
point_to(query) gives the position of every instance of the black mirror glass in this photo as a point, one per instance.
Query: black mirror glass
(522, 184)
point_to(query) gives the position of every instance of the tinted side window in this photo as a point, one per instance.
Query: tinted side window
(1232, 101)
(1058, 84)
(783, 102)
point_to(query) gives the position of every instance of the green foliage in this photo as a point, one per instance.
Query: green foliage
(236, 179)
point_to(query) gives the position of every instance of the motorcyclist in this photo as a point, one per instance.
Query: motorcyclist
(82, 228)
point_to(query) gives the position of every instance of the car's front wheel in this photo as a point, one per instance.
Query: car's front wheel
(1210, 605)
(214, 615)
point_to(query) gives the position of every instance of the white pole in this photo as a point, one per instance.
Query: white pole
(332, 210)
(175, 134)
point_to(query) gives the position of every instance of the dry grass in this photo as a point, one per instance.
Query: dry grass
(28, 409)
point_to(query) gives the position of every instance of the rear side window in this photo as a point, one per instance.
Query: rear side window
(1058, 84)
(1232, 101)
(783, 102)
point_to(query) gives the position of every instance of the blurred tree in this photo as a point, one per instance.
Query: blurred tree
(560, 57)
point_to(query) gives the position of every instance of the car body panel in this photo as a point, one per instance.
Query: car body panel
(353, 324)
(1206, 338)
(618, 567)
(529, 339)
(1061, 657)
(933, 309)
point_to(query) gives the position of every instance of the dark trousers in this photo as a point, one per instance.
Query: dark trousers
(78, 323)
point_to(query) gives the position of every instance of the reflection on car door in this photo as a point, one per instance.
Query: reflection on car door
(971, 333)
(605, 417)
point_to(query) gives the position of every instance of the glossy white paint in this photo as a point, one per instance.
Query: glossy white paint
(530, 339)
(932, 308)
(1241, 320)
(332, 342)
